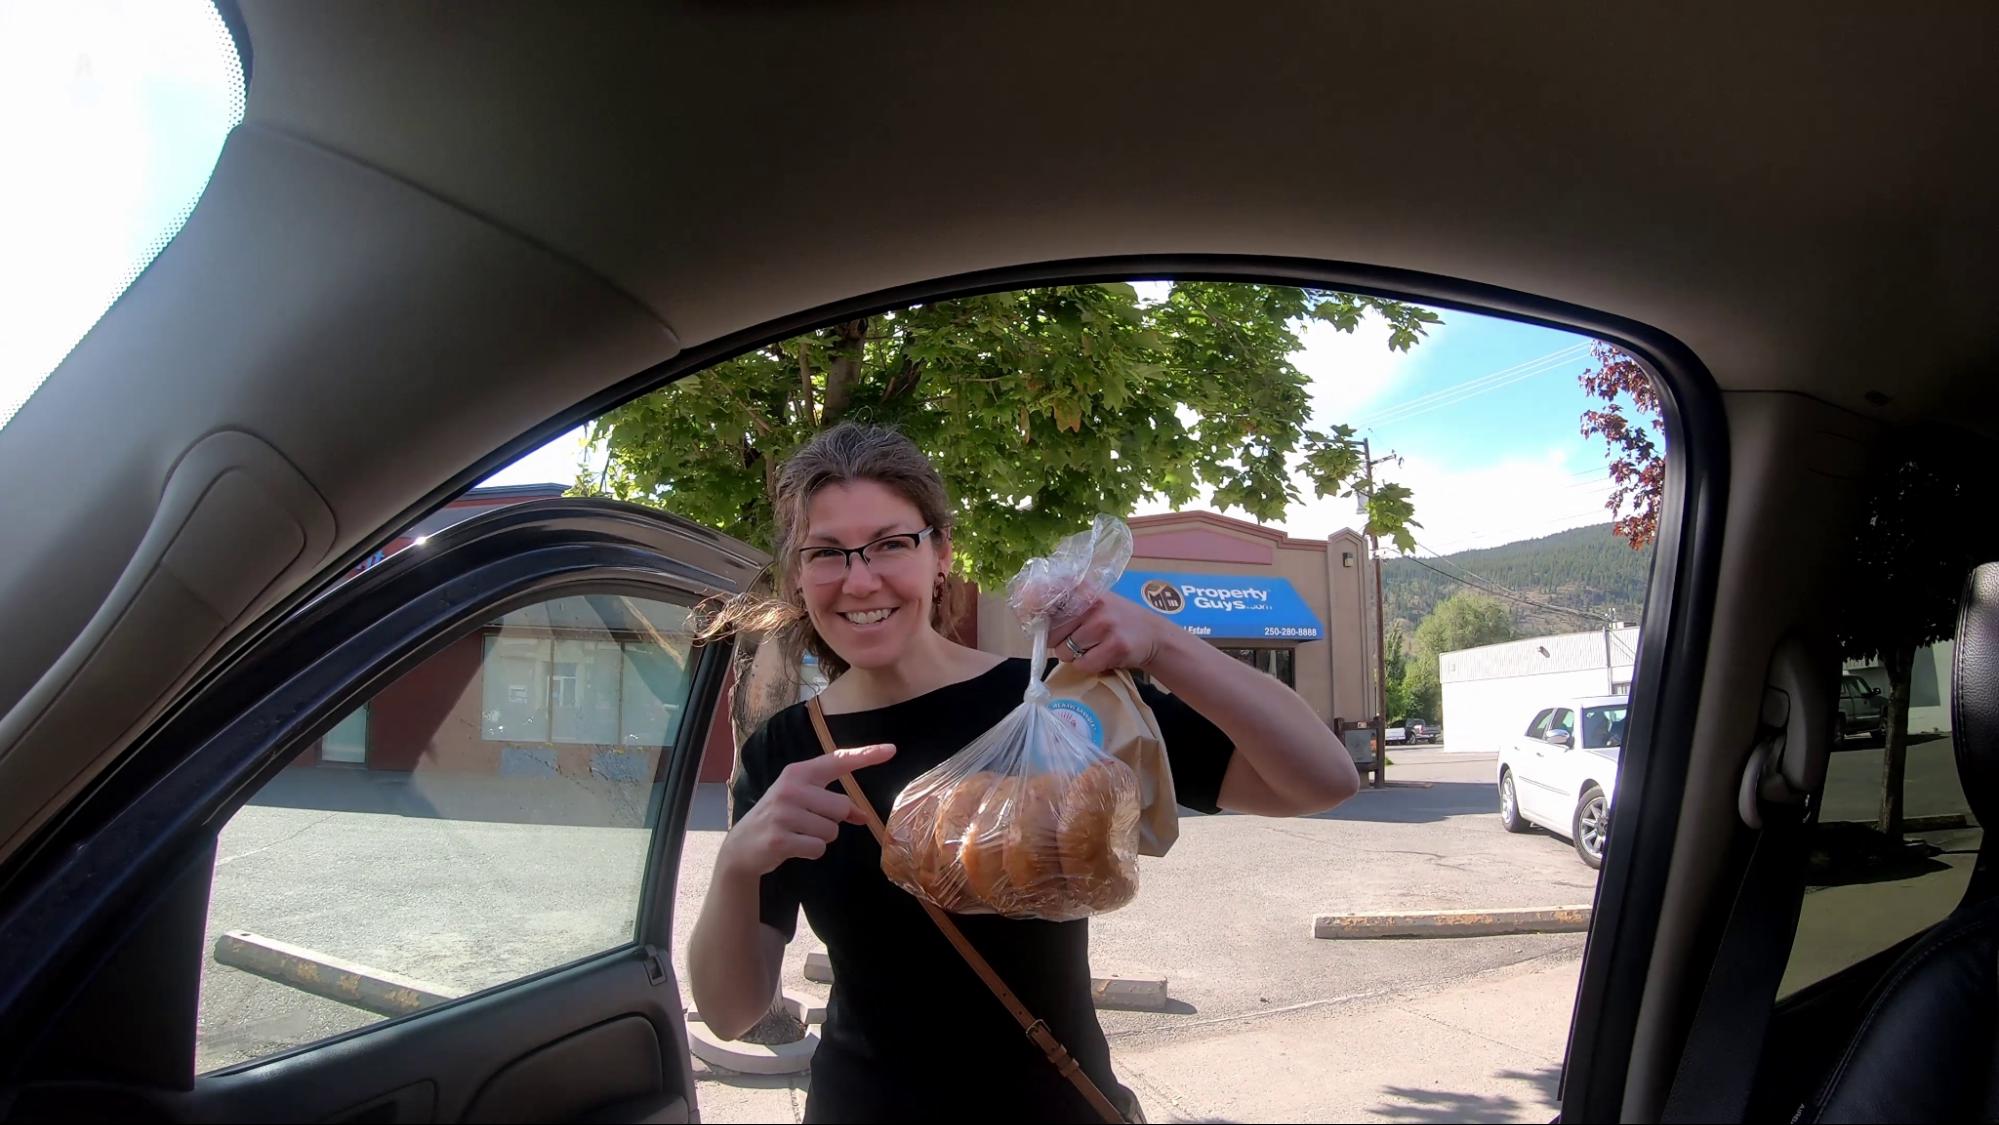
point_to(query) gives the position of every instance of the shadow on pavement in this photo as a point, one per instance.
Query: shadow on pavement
(751, 1081)
(1450, 1105)
(582, 802)
(1411, 805)
(1844, 855)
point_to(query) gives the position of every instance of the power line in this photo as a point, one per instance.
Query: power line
(1435, 554)
(1473, 388)
(1504, 591)
(1490, 377)
(1509, 595)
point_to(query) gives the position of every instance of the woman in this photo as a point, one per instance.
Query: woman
(863, 531)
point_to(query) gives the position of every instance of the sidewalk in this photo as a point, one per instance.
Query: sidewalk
(1485, 1048)
(1488, 1048)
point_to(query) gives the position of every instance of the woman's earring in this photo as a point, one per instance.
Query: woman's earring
(937, 595)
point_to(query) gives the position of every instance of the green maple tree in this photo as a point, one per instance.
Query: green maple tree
(1041, 407)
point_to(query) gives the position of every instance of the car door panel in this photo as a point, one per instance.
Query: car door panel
(469, 1063)
(1521, 760)
(105, 922)
(1537, 772)
(1560, 779)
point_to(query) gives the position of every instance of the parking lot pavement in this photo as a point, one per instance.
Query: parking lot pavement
(1487, 1047)
(1369, 1029)
(471, 901)
(1226, 916)
(1930, 785)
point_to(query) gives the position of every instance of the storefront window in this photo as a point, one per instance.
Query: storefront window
(590, 692)
(584, 691)
(348, 740)
(655, 683)
(516, 679)
(1279, 662)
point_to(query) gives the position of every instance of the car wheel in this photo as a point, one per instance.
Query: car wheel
(1838, 731)
(1509, 805)
(1592, 825)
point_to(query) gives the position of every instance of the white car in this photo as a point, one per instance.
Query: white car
(1561, 772)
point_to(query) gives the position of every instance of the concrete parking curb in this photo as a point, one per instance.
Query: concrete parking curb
(1129, 994)
(1124, 994)
(1943, 822)
(361, 986)
(756, 1058)
(818, 968)
(1453, 923)
(751, 1058)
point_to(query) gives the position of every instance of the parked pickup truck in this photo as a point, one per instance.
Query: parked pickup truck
(1863, 712)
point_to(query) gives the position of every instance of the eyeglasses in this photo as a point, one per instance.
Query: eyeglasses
(887, 555)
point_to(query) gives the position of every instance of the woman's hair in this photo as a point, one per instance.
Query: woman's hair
(845, 453)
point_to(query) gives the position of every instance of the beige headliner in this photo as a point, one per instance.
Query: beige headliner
(441, 225)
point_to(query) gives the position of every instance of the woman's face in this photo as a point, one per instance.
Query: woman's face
(870, 612)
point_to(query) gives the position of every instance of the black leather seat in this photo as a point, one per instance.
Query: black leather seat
(1927, 1047)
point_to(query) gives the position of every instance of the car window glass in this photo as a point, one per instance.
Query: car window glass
(1196, 411)
(1603, 727)
(1890, 858)
(485, 816)
(1563, 719)
(121, 112)
(1866, 889)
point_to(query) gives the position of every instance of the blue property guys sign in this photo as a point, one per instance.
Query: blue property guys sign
(1225, 606)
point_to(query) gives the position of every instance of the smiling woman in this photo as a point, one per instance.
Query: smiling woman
(114, 115)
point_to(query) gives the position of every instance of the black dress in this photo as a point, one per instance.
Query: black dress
(910, 1032)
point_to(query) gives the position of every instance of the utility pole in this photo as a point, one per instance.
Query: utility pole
(1380, 635)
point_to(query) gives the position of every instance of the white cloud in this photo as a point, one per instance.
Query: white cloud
(1481, 506)
(1351, 370)
(1463, 508)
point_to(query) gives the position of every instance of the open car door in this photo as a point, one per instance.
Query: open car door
(410, 857)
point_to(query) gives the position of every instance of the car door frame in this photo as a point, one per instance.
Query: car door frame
(1563, 773)
(75, 932)
(1531, 769)
(1608, 1060)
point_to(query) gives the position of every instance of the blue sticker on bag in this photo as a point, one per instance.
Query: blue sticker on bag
(1081, 719)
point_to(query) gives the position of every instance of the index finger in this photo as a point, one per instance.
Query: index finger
(1059, 631)
(827, 767)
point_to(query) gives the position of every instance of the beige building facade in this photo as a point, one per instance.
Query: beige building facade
(1298, 609)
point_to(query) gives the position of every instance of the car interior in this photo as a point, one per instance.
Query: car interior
(443, 234)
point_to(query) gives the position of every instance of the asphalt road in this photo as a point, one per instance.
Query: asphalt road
(1929, 784)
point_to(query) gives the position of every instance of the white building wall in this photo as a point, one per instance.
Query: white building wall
(1491, 693)
(1929, 686)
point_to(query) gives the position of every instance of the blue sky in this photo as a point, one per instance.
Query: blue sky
(121, 106)
(1484, 414)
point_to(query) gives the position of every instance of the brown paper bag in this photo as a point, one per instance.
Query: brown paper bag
(1109, 711)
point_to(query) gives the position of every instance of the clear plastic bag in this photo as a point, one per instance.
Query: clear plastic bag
(1073, 576)
(1032, 819)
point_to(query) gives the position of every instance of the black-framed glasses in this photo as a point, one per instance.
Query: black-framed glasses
(884, 555)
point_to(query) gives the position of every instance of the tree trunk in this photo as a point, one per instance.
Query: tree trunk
(843, 369)
(1900, 665)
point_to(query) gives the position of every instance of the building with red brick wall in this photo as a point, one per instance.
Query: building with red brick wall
(575, 688)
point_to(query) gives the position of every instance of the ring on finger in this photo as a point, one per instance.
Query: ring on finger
(1077, 649)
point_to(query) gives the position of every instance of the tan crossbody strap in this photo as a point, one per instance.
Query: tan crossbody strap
(1036, 1030)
